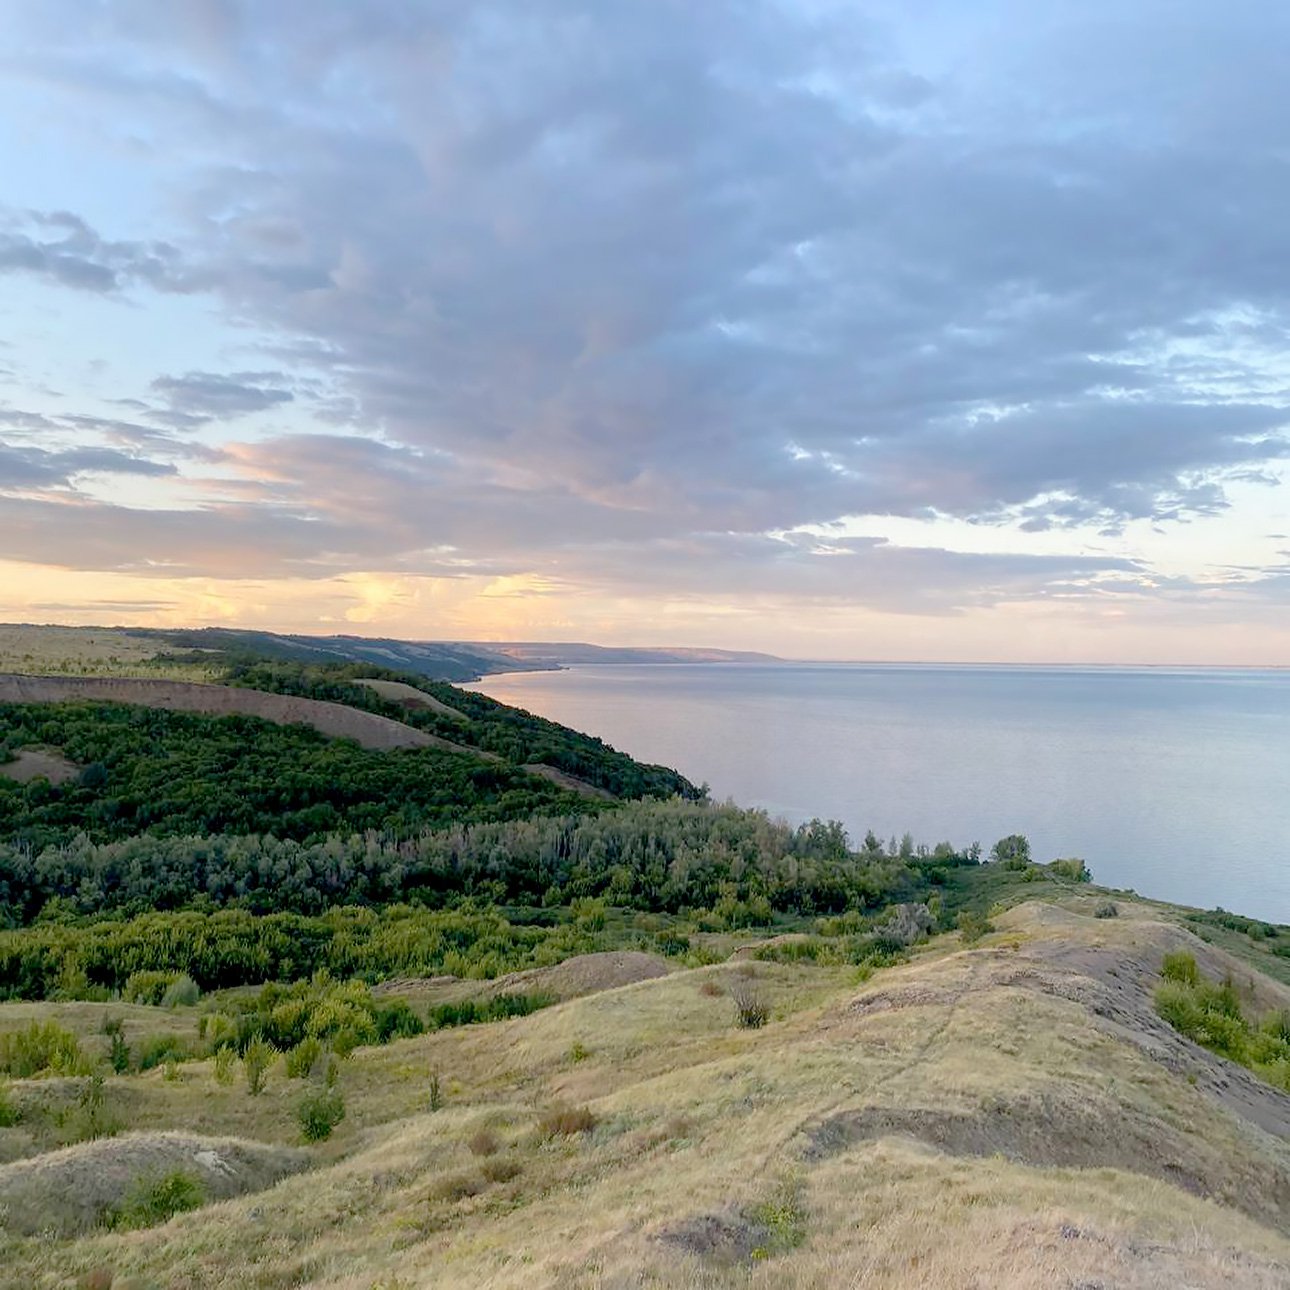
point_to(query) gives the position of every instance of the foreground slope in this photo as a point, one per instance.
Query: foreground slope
(1013, 1114)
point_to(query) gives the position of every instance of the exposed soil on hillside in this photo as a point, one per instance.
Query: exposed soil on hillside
(39, 763)
(585, 974)
(408, 696)
(335, 720)
(562, 779)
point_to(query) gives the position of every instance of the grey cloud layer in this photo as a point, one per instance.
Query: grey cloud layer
(685, 276)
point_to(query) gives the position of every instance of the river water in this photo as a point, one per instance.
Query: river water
(1174, 782)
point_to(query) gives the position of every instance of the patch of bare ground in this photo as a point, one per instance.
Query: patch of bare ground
(335, 720)
(70, 1191)
(585, 974)
(562, 779)
(408, 696)
(39, 763)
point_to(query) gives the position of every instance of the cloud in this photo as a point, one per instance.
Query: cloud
(627, 293)
(199, 397)
(24, 468)
(63, 249)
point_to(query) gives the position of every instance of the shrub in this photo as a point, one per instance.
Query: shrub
(9, 1113)
(1107, 909)
(483, 1143)
(93, 1119)
(782, 1218)
(711, 988)
(159, 1050)
(751, 1010)
(1180, 966)
(256, 1061)
(563, 1120)
(182, 992)
(973, 926)
(436, 1092)
(672, 943)
(1073, 868)
(396, 1020)
(223, 1069)
(148, 987)
(471, 1012)
(499, 1170)
(319, 1113)
(42, 1048)
(1012, 852)
(153, 1200)
(301, 1060)
(118, 1049)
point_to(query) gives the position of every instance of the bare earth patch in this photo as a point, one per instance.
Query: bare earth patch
(33, 763)
(410, 697)
(335, 720)
(562, 779)
(586, 974)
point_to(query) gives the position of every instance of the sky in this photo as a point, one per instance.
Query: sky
(917, 330)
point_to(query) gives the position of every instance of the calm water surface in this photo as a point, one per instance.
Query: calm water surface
(1173, 782)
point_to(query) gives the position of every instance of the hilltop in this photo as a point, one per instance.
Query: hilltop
(1012, 1112)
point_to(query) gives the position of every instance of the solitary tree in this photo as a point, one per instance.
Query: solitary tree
(1012, 852)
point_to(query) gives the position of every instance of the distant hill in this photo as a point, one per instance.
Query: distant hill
(543, 654)
(436, 660)
(201, 653)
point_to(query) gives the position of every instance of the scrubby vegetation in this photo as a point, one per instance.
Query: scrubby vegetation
(1211, 1013)
(720, 867)
(154, 1200)
(41, 1048)
(319, 1113)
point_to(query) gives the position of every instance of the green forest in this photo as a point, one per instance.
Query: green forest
(511, 733)
(149, 771)
(235, 852)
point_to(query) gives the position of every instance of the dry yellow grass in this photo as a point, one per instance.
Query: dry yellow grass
(33, 649)
(70, 1190)
(1008, 1116)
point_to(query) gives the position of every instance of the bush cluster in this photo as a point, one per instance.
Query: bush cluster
(319, 1113)
(1211, 1013)
(152, 1200)
(42, 1048)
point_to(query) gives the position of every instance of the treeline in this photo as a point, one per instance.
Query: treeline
(151, 771)
(233, 948)
(651, 856)
(511, 733)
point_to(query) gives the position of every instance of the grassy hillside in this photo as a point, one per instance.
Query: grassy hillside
(279, 1009)
(1007, 1113)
